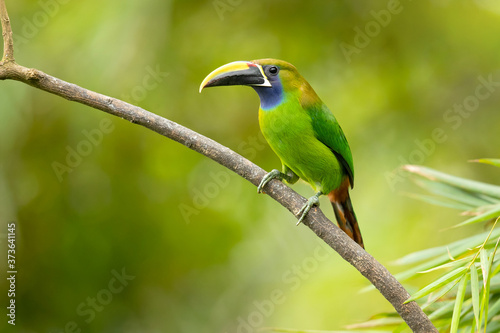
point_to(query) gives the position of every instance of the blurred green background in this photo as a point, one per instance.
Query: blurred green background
(198, 250)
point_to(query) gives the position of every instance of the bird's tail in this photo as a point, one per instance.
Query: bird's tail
(344, 212)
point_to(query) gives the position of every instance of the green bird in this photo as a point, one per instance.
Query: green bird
(301, 130)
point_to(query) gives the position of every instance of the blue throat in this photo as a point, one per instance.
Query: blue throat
(270, 97)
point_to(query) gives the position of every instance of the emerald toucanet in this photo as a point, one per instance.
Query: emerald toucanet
(301, 130)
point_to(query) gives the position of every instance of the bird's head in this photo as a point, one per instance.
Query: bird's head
(272, 79)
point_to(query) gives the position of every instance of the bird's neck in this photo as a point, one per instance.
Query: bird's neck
(270, 97)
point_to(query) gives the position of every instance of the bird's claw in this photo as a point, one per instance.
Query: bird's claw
(312, 201)
(267, 178)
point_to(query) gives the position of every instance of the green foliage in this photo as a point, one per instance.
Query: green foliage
(465, 293)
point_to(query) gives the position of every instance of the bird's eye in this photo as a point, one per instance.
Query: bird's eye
(273, 70)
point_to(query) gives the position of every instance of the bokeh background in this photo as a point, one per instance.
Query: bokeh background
(95, 197)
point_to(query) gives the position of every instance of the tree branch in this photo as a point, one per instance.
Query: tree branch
(8, 41)
(375, 272)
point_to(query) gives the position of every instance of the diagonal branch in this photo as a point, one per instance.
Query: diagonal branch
(375, 272)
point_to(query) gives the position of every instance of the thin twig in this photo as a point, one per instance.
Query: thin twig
(375, 272)
(8, 41)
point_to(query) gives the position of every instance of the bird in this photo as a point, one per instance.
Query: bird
(301, 130)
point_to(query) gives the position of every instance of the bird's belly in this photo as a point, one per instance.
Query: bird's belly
(299, 149)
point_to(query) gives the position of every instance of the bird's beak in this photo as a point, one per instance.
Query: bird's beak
(236, 73)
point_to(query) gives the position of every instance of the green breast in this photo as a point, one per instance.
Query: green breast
(288, 130)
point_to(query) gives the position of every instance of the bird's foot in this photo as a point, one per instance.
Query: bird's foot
(312, 201)
(274, 174)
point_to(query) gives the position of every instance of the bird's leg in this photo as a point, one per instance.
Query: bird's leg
(312, 201)
(275, 174)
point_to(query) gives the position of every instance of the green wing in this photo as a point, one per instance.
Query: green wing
(328, 131)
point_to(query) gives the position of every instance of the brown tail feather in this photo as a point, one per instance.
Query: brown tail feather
(342, 206)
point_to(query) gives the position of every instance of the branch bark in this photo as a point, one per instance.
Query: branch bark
(8, 41)
(375, 272)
